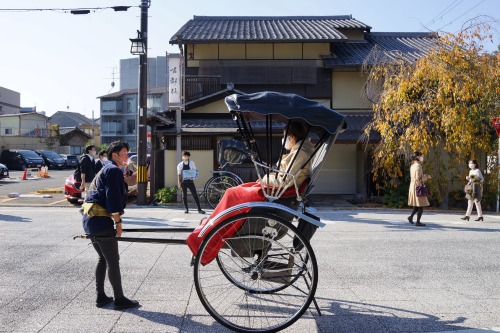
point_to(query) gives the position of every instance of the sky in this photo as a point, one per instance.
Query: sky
(59, 62)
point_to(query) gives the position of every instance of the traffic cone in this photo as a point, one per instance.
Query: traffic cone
(40, 172)
(46, 172)
(25, 174)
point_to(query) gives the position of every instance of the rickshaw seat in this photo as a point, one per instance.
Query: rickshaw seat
(290, 192)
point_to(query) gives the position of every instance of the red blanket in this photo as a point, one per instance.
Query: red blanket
(248, 192)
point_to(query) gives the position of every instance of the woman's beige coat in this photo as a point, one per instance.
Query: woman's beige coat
(303, 155)
(417, 177)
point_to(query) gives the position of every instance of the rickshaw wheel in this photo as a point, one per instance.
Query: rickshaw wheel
(259, 282)
(217, 186)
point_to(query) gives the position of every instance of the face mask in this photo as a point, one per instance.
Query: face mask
(288, 144)
(472, 165)
(421, 158)
(105, 159)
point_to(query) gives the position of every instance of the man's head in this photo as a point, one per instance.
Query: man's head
(117, 152)
(186, 155)
(90, 149)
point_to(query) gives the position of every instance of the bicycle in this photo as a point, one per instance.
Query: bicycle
(231, 152)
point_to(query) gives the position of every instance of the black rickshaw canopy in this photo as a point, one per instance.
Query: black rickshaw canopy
(286, 106)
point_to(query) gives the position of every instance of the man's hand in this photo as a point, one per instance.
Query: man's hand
(131, 180)
(119, 230)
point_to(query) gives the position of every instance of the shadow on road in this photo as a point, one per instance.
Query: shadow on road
(400, 223)
(346, 316)
(13, 218)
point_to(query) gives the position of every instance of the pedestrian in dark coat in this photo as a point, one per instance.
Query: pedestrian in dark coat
(103, 209)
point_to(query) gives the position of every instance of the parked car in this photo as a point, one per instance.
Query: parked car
(20, 159)
(4, 171)
(52, 159)
(70, 161)
(73, 193)
(72, 190)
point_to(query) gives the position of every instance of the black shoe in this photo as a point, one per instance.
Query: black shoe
(480, 219)
(410, 219)
(186, 211)
(102, 300)
(465, 218)
(125, 303)
(418, 224)
(201, 211)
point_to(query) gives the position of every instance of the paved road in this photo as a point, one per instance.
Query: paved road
(377, 274)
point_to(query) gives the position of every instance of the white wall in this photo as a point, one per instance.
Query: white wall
(338, 173)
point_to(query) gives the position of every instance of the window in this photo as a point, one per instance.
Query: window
(8, 131)
(130, 126)
(154, 102)
(130, 105)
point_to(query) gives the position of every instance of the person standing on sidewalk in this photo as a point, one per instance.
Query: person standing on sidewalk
(87, 168)
(102, 212)
(474, 190)
(417, 178)
(103, 160)
(184, 184)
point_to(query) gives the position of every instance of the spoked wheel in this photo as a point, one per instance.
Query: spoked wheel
(257, 280)
(217, 186)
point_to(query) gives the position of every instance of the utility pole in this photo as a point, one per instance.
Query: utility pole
(142, 144)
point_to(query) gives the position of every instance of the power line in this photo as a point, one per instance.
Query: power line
(444, 11)
(444, 26)
(75, 11)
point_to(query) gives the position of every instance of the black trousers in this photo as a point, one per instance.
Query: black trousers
(192, 188)
(109, 259)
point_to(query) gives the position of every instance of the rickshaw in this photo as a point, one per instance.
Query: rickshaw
(255, 270)
(231, 153)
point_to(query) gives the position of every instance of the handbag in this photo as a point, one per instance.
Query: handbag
(422, 191)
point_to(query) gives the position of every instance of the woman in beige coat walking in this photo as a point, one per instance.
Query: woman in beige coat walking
(417, 178)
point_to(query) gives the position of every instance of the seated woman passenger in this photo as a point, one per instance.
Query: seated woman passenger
(251, 192)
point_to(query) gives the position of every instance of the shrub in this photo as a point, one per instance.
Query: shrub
(166, 195)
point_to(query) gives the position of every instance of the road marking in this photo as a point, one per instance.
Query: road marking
(56, 202)
(50, 191)
(8, 199)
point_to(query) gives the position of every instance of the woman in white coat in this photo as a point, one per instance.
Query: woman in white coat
(474, 190)
(417, 178)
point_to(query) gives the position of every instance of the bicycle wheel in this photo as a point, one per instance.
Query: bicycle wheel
(259, 282)
(217, 186)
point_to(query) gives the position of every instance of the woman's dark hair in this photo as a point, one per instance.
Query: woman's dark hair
(297, 129)
(102, 152)
(186, 153)
(475, 162)
(415, 156)
(116, 147)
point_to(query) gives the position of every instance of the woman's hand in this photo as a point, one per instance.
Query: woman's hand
(428, 176)
(467, 178)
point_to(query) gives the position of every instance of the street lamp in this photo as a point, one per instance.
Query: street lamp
(140, 47)
(137, 47)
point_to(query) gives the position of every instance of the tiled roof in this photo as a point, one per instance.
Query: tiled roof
(203, 29)
(67, 130)
(69, 119)
(356, 123)
(408, 45)
(151, 91)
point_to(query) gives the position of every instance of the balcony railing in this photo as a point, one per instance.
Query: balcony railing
(201, 86)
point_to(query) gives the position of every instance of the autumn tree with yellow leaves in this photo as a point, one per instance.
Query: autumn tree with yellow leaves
(441, 104)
